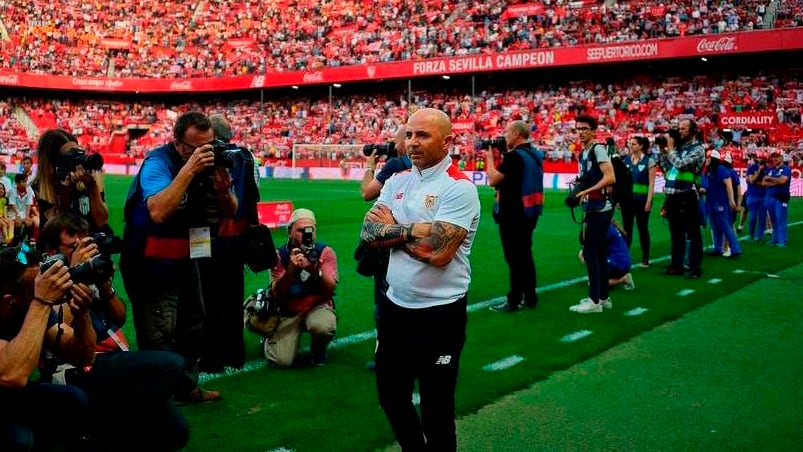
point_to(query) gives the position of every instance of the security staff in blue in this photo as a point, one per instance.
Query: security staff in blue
(757, 211)
(682, 163)
(166, 231)
(519, 183)
(778, 181)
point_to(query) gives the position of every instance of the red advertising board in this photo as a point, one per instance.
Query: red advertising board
(748, 120)
(689, 46)
(274, 214)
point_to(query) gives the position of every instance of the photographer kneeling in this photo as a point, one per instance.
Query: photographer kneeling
(26, 408)
(304, 282)
(137, 386)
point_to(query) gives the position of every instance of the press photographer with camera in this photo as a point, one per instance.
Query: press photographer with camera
(223, 273)
(681, 162)
(592, 190)
(69, 179)
(166, 232)
(140, 382)
(519, 184)
(303, 285)
(374, 261)
(27, 297)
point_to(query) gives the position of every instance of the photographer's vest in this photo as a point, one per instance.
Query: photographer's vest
(231, 230)
(596, 199)
(682, 180)
(640, 171)
(532, 182)
(167, 241)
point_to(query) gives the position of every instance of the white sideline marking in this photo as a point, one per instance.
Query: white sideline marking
(282, 449)
(504, 363)
(714, 281)
(685, 292)
(416, 398)
(371, 334)
(768, 275)
(636, 311)
(576, 336)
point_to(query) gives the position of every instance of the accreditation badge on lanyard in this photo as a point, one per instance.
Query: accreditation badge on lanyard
(200, 243)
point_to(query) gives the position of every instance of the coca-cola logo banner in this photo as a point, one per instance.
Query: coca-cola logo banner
(652, 49)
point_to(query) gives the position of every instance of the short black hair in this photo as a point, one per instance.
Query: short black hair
(19, 177)
(190, 119)
(50, 235)
(592, 123)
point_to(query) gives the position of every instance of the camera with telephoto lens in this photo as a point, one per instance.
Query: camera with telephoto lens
(498, 143)
(69, 161)
(577, 185)
(674, 133)
(107, 244)
(94, 271)
(388, 149)
(308, 245)
(223, 154)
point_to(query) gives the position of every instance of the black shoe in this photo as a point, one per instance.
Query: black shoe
(531, 304)
(671, 271)
(504, 307)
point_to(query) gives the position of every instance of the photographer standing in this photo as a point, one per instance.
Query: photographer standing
(596, 172)
(682, 162)
(63, 184)
(519, 183)
(375, 260)
(222, 274)
(304, 282)
(165, 212)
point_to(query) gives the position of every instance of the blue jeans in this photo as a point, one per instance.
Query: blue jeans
(595, 253)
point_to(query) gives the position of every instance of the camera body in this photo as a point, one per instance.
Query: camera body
(223, 155)
(69, 161)
(107, 244)
(94, 271)
(308, 245)
(579, 184)
(674, 133)
(388, 149)
(498, 143)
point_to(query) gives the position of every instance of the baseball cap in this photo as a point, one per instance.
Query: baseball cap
(301, 214)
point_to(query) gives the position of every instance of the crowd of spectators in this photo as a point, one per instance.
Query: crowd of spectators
(174, 39)
(639, 105)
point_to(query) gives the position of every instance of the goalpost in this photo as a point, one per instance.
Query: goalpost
(324, 161)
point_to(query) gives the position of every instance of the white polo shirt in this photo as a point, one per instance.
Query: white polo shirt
(440, 193)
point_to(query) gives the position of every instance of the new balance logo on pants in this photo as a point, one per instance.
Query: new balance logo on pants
(443, 360)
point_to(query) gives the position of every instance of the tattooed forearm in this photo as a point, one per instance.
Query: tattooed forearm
(440, 246)
(381, 235)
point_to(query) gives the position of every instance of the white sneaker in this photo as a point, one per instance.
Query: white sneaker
(606, 303)
(629, 284)
(586, 305)
(726, 253)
